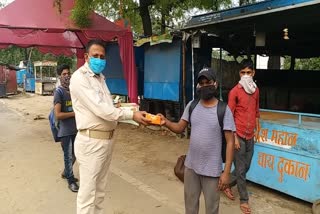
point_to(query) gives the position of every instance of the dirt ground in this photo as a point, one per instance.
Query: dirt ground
(141, 178)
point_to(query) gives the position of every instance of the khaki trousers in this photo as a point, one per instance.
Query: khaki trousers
(94, 158)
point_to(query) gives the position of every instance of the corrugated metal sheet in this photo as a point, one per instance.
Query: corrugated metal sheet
(11, 82)
(3, 92)
(8, 78)
(2, 74)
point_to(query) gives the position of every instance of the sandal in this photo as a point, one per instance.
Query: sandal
(245, 208)
(228, 192)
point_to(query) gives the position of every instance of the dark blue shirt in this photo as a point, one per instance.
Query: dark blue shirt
(67, 126)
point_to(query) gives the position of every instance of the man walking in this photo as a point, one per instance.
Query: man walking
(96, 121)
(244, 104)
(203, 164)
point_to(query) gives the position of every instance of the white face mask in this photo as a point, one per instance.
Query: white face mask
(248, 84)
(246, 76)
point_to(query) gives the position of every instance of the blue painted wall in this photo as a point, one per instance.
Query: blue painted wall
(162, 71)
(30, 84)
(139, 57)
(294, 170)
(114, 71)
(20, 76)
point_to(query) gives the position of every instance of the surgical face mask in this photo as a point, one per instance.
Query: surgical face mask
(65, 81)
(206, 92)
(97, 65)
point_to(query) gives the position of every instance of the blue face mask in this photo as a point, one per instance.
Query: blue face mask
(97, 65)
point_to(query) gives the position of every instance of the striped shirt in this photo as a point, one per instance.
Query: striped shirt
(204, 154)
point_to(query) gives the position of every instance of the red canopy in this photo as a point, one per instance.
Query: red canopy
(42, 24)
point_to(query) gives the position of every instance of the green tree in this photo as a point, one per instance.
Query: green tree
(244, 2)
(154, 16)
(13, 55)
(303, 64)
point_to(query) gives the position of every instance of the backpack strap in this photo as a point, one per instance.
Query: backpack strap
(220, 111)
(222, 106)
(59, 91)
(193, 104)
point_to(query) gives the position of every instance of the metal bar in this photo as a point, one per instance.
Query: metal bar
(300, 119)
(192, 52)
(184, 72)
(220, 67)
(292, 113)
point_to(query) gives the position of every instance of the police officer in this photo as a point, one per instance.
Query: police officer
(96, 119)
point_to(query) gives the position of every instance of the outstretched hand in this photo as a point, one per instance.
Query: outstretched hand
(163, 119)
(140, 117)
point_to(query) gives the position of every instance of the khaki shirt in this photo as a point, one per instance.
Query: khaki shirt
(92, 102)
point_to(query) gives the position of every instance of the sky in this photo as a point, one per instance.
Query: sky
(5, 2)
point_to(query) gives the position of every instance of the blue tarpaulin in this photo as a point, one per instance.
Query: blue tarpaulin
(162, 75)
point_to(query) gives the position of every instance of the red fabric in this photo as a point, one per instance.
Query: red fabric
(2, 46)
(28, 38)
(38, 23)
(80, 57)
(42, 14)
(245, 110)
(128, 61)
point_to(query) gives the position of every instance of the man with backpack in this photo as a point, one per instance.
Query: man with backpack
(203, 164)
(244, 104)
(67, 125)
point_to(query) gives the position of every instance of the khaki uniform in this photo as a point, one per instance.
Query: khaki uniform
(96, 118)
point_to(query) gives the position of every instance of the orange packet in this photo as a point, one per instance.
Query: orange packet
(155, 119)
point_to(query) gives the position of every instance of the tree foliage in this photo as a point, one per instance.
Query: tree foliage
(81, 11)
(147, 17)
(244, 2)
(13, 55)
(157, 15)
(303, 64)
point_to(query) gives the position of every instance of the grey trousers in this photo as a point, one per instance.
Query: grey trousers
(193, 185)
(242, 162)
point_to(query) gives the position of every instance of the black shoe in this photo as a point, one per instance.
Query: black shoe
(73, 187)
(64, 177)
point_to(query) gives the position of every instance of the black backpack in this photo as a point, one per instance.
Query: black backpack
(54, 123)
(221, 109)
